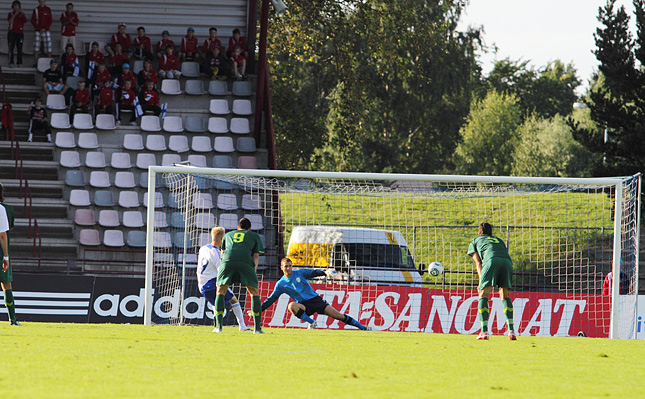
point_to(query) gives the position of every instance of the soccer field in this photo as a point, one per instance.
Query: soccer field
(123, 361)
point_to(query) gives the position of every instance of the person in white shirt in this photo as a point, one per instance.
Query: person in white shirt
(207, 268)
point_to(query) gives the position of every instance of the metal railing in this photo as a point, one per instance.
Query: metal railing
(24, 191)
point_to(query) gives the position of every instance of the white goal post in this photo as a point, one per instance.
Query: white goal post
(374, 234)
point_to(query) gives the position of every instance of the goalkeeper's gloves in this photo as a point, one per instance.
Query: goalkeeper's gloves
(318, 273)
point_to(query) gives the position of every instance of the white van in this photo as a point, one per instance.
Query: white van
(356, 255)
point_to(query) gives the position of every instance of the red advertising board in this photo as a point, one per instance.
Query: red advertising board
(411, 309)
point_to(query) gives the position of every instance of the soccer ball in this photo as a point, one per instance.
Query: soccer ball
(435, 269)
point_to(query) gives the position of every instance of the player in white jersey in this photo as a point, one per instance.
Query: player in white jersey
(207, 269)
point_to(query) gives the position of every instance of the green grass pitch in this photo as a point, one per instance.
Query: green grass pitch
(49, 360)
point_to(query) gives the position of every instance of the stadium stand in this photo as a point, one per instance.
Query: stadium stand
(98, 173)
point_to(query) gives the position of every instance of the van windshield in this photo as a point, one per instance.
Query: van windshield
(378, 255)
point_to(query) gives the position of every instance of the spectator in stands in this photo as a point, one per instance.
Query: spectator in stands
(211, 41)
(149, 99)
(238, 63)
(117, 59)
(53, 79)
(104, 104)
(38, 121)
(16, 35)
(93, 59)
(163, 43)
(142, 45)
(126, 74)
(119, 37)
(80, 100)
(41, 19)
(168, 64)
(69, 62)
(607, 285)
(147, 73)
(215, 65)
(125, 101)
(69, 22)
(100, 75)
(237, 40)
(189, 47)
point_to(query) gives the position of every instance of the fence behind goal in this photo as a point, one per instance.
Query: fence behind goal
(376, 234)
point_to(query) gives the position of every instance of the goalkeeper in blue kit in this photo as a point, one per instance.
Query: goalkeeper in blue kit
(307, 301)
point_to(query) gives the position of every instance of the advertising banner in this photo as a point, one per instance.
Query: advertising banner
(451, 311)
(86, 299)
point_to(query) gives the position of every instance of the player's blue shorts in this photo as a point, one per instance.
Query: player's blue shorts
(210, 292)
(315, 305)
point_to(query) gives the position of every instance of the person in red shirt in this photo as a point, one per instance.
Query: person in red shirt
(125, 101)
(101, 74)
(142, 46)
(149, 99)
(607, 285)
(117, 59)
(80, 100)
(238, 63)
(125, 75)
(105, 99)
(41, 19)
(211, 41)
(69, 22)
(163, 43)
(236, 40)
(119, 37)
(16, 36)
(147, 73)
(93, 59)
(68, 61)
(168, 64)
(189, 47)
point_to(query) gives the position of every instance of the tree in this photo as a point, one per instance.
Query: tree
(489, 136)
(545, 92)
(546, 147)
(617, 96)
(371, 85)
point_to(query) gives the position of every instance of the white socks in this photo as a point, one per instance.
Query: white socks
(237, 310)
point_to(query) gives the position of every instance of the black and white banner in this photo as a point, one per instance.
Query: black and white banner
(86, 299)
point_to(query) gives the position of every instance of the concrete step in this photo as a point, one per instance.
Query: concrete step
(40, 189)
(54, 248)
(31, 170)
(29, 151)
(49, 208)
(48, 227)
(20, 76)
(31, 264)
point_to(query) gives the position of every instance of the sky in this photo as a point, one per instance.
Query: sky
(540, 31)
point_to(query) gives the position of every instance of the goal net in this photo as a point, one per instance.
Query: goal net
(376, 235)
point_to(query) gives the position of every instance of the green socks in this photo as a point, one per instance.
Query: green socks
(256, 307)
(9, 303)
(508, 311)
(483, 313)
(219, 311)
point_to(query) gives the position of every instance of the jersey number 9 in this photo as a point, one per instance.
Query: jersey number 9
(238, 237)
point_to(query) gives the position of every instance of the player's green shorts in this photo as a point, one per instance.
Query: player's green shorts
(6, 277)
(498, 272)
(237, 272)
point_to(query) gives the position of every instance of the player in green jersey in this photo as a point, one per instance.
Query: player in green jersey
(241, 254)
(495, 269)
(6, 275)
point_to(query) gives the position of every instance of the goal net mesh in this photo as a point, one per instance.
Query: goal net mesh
(376, 238)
